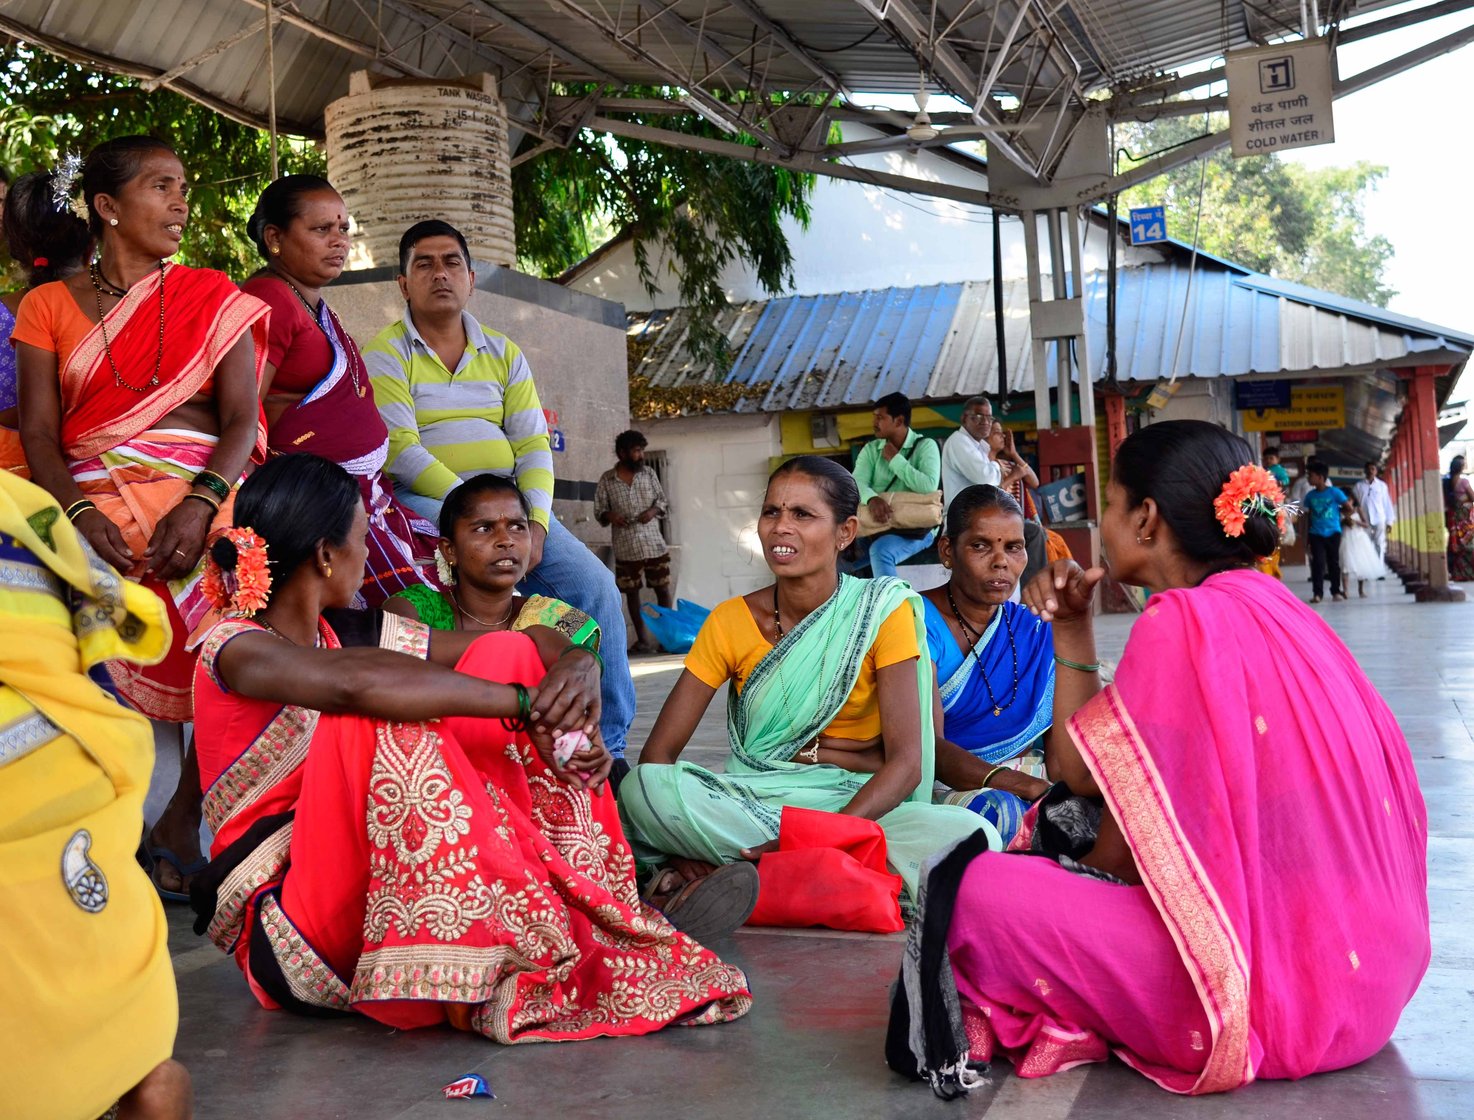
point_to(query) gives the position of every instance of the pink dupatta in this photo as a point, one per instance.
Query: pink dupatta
(1270, 801)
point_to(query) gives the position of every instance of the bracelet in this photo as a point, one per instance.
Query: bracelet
(79, 507)
(518, 723)
(1093, 667)
(215, 483)
(990, 774)
(590, 650)
(209, 501)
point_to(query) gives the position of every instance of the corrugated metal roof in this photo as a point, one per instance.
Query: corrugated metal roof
(1112, 39)
(938, 342)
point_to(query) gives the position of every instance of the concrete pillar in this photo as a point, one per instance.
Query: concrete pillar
(1431, 539)
(400, 151)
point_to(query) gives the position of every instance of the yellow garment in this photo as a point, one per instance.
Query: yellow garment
(730, 645)
(89, 1003)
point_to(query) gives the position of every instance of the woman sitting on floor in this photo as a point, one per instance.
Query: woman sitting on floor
(1237, 882)
(824, 668)
(485, 547)
(994, 660)
(402, 840)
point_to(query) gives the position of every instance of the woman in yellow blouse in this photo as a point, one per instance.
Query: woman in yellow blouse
(826, 671)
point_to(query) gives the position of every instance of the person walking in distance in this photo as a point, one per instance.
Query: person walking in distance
(630, 500)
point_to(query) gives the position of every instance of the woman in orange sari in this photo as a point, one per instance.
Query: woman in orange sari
(139, 413)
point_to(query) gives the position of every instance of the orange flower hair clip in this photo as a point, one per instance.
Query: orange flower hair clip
(1250, 489)
(244, 587)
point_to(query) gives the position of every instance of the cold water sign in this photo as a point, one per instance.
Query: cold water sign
(1148, 224)
(1279, 97)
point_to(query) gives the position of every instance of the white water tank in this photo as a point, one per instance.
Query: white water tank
(403, 150)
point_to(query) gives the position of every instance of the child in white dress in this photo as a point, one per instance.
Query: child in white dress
(1359, 559)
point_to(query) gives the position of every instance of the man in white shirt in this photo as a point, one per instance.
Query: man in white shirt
(1377, 507)
(967, 459)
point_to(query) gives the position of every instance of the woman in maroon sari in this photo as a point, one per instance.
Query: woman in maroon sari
(315, 389)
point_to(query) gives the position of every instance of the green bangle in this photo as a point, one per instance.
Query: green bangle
(215, 483)
(1094, 667)
(590, 650)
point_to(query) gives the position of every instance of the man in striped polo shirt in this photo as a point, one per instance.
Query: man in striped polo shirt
(459, 401)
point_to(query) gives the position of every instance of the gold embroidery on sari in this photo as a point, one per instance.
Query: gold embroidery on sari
(307, 974)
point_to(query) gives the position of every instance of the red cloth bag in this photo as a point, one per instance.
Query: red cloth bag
(829, 870)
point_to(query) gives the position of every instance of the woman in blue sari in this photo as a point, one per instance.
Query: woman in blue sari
(994, 662)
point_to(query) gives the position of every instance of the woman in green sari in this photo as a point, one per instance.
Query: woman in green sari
(826, 672)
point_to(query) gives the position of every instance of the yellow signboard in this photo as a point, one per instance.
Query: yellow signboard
(1321, 407)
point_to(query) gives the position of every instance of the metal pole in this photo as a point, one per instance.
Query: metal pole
(1080, 351)
(271, 84)
(1064, 388)
(1038, 347)
(999, 333)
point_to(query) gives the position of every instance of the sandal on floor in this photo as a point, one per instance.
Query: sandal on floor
(150, 858)
(713, 906)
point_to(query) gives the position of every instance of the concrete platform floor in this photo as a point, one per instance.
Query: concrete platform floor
(811, 1047)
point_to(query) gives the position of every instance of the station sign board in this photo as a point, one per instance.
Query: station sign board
(1148, 224)
(1279, 97)
(1261, 394)
(1064, 500)
(1320, 407)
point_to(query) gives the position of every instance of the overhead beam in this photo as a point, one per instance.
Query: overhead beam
(99, 61)
(557, 50)
(450, 34)
(247, 32)
(804, 162)
(829, 77)
(328, 35)
(1404, 19)
(1403, 62)
(705, 103)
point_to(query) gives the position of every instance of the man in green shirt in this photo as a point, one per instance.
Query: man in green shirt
(897, 459)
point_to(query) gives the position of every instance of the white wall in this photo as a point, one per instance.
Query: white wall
(716, 472)
(862, 237)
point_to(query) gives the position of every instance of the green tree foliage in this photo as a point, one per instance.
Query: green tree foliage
(1268, 213)
(52, 106)
(700, 212)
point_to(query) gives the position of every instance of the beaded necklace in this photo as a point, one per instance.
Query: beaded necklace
(313, 315)
(95, 271)
(973, 640)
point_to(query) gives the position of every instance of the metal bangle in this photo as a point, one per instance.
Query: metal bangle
(79, 507)
(989, 777)
(209, 501)
(1093, 667)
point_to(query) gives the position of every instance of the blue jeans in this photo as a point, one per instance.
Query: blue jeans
(889, 549)
(569, 571)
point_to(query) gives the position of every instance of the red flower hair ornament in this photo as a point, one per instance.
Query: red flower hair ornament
(1250, 489)
(245, 587)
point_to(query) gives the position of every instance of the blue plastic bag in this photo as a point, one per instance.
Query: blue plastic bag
(675, 628)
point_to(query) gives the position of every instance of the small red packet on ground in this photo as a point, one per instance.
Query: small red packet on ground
(472, 1085)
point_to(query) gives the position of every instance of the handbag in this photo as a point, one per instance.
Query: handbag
(829, 870)
(911, 514)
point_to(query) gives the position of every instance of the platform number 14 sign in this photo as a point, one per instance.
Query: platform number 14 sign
(1148, 225)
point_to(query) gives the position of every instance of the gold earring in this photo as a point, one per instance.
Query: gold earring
(327, 571)
(276, 250)
(1141, 540)
(947, 564)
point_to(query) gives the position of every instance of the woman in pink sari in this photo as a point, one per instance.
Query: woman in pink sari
(1228, 880)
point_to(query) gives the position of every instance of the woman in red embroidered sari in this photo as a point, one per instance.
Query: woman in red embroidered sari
(315, 388)
(1228, 880)
(420, 856)
(138, 407)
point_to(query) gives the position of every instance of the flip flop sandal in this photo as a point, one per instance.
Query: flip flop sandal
(150, 858)
(713, 906)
